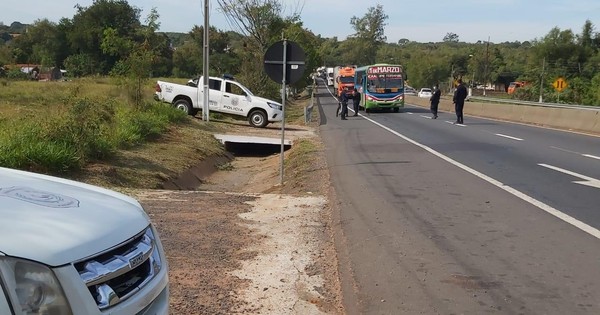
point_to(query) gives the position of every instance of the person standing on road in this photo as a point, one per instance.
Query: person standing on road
(460, 94)
(356, 101)
(344, 102)
(435, 101)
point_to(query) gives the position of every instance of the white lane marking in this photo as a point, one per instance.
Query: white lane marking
(587, 181)
(509, 137)
(574, 152)
(592, 156)
(410, 113)
(564, 150)
(454, 123)
(547, 208)
(428, 117)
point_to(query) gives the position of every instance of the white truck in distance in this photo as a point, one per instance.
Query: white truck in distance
(330, 76)
(71, 248)
(225, 96)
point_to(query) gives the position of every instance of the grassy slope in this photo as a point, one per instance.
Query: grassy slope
(146, 165)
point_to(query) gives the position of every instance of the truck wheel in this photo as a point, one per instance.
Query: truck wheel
(258, 118)
(183, 105)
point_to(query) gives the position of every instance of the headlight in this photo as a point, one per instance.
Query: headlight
(33, 288)
(275, 106)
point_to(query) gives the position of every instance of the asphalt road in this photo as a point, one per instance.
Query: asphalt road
(486, 217)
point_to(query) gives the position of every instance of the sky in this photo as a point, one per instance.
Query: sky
(428, 21)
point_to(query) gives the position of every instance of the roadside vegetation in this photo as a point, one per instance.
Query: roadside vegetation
(59, 127)
(90, 129)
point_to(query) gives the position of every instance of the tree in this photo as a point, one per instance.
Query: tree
(187, 59)
(142, 55)
(41, 44)
(450, 38)
(262, 22)
(370, 34)
(88, 26)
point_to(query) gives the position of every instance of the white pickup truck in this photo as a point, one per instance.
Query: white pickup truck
(225, 96)
(71, 248)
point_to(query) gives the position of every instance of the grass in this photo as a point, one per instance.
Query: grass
(88, 130)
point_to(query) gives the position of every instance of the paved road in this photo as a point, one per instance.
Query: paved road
(485, 217)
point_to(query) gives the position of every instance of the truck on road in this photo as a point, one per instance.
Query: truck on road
(344, 79)
(226, 96)
(330, 76)
(71, 248)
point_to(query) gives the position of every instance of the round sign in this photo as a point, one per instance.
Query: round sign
(294, 62)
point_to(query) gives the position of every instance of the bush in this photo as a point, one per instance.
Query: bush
(24, 145)
(16, 74)
(78, 130)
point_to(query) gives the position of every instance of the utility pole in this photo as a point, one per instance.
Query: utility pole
(485, 68)
(205, 107)
(542, 80)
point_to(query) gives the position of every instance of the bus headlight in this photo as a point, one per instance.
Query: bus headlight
(33, 288)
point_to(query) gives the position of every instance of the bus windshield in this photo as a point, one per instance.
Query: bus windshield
(384, 83)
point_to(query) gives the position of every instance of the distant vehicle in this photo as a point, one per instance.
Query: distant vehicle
(344, 79)
(425, 92)
(513, 86)
(330, 78)
(381, 86)
(409, 90)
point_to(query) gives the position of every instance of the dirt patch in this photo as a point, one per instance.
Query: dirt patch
(243, 243)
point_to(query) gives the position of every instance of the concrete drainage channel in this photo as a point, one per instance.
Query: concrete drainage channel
(235, 145)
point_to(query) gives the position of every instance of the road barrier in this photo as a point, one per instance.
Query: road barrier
(584, 120)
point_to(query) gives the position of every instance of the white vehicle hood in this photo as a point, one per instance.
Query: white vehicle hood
(265, 100)
(57, 221)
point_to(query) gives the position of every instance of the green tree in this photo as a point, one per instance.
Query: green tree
(262, 22)
(87, 30)
(451, 38)
(141, 56)
(40, 44)
(370, 34)
(188, 59)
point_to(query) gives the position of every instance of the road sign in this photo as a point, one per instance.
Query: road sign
(284, 63)
(294, 60)
(560, 84)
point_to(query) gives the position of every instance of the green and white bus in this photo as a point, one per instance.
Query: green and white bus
(381, 86)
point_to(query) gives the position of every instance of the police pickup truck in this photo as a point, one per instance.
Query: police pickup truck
(70, 248)
(225, 96)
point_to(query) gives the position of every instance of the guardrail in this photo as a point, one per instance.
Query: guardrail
(560, 116)
(518, 102)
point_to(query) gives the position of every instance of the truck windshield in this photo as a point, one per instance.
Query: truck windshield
(347, 80)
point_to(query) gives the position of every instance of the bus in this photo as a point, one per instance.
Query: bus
(381, 86)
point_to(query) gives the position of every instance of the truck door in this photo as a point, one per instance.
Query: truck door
(215, 95)
(235, 100)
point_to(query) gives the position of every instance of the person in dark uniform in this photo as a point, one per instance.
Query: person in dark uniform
(344, 102)
(460, 94)
(356, 101)
(435, 101)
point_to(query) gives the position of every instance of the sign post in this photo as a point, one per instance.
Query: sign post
(284, 62)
